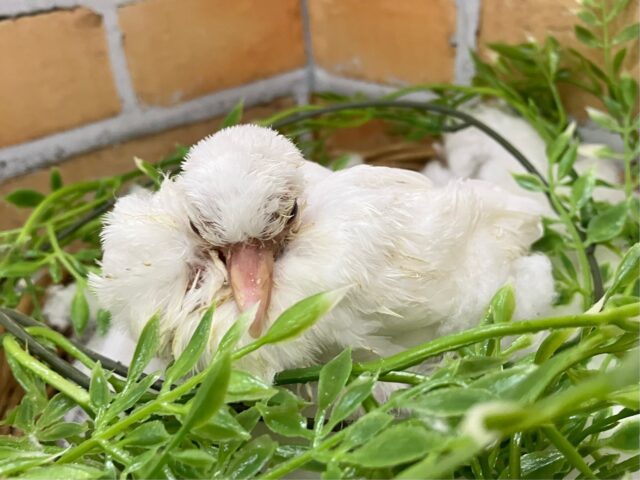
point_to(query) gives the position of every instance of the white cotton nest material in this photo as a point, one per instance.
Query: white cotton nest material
(471, 153)
(116, 344)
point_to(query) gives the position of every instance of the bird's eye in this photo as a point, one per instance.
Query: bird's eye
(194, 228)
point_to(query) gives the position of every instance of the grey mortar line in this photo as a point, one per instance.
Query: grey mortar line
(22, 158)
(12, 8)
(308, 45)
(117, 57)
(467, 21)
(347, 86)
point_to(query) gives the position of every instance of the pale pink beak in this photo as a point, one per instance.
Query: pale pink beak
(250, 268)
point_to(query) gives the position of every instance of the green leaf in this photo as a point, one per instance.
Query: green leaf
(608, 224)
(234, 116)
(618, 60)
(127, 398)
(31, 384)
(19, 269)
(210, 395)
(618, 7)
(333, 377)
(582, 189)
(54, 270)
(631, 32)
(626, 437)
(146, 348)
(193, 351)
(541, 464)
(244, 387)
(23, 461)
(588, 17)
(146, 435)
(567, 159)
(149, 170)
(302, 315)
(365, 428)
(60, 431)
(450, 402)
(474, 366)
(57, 407)
(285, 420)
(99, 388)
(239, 328)
(529, 182)
(501, 382)
(587, 37)
(503, 304)
(222, 427)
(603, 119)
(252, 458)
(55, 179)
(355, 393)
(629, 87)
(103, 321)
(397, 445)
(25, 198)
(79, 310)
(68, 472)
(551, 343)
(140, 462)
(627, 271)
(194, 457)
(559, 145)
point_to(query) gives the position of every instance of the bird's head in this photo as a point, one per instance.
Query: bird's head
(242, 187)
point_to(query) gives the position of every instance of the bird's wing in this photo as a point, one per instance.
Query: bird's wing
(412, 251)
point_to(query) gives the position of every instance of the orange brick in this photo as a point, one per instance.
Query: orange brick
(516, 21)
(181, 49)
(55, 74)
(388, 41)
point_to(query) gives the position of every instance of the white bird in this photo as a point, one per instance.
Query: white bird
(250, 220)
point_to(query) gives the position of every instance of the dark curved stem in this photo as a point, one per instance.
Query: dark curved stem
(15, 322)
(414, 105)
(34, 347)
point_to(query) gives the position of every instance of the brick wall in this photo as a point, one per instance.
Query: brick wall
(81, 75)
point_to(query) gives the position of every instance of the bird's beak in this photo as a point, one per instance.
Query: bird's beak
(250, 268)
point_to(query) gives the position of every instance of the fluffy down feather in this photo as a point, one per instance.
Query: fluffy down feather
(421, 260)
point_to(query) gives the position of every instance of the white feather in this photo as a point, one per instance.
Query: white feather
(421, 260)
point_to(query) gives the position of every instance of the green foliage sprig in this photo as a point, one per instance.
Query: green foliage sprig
(487, 408)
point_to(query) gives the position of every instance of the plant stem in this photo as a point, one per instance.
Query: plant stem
(550, 408)
(514, 456)
(418, 354)
(136, 416)
(570, 453)
(62, 256)
(587, 291)
(79, 395)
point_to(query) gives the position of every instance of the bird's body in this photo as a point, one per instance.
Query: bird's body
(421, 261)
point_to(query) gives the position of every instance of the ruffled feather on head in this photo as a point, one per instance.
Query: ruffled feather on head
(242, 183)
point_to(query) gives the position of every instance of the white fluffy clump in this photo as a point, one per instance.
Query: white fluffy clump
(471, 153)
